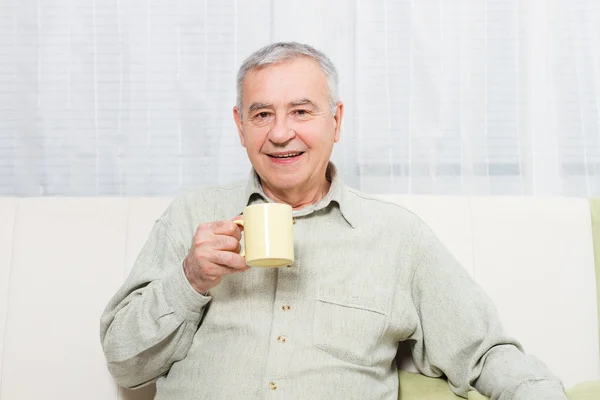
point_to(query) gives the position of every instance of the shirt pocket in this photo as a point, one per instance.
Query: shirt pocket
(348, 330)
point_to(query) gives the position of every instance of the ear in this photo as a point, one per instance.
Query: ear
(337, 118)
(238, 122)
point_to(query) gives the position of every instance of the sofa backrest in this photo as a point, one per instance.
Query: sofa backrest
(61, 259)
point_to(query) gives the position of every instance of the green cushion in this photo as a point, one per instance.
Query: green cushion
(584, 391)
(414, 386)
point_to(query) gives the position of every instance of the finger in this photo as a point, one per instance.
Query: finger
(228, 259)
(224, 242)
(216, 271)
(227, 227)
(206, 231)
(240, 228)
(229, 270)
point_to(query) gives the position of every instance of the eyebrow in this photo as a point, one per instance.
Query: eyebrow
(302, 102)
(257, 106)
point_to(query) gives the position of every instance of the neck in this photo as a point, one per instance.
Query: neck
(299, 197)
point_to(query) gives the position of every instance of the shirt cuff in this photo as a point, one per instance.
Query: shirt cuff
(545, 389)
(180, 295)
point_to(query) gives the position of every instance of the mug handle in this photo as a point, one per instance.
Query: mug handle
(240, 222)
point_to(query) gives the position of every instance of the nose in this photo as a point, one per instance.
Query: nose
(281, 132)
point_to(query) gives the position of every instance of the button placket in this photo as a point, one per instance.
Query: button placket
(282, 340)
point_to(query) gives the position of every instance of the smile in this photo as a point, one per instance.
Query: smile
(288, 155)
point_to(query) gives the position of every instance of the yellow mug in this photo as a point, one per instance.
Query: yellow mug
(268, 236)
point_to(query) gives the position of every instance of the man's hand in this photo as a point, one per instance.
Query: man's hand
(214, 253)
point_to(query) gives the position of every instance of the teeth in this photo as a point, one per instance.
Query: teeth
(288, 155)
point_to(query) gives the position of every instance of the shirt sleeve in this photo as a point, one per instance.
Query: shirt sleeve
(459, 333)
(150, 322)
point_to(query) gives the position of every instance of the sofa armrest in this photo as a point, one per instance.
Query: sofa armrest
(415, 386)
(584, 391)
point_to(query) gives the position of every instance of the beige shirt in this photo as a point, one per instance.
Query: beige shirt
(368, 275)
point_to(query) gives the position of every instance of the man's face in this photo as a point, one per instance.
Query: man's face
(287, 128)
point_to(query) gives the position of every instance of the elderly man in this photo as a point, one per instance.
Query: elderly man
(368, 275)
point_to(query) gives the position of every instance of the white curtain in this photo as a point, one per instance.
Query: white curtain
(134, 97)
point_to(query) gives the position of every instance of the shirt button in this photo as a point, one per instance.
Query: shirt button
(285, 307)
(281, 339)
(272, 386)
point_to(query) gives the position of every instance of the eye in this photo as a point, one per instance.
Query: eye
(301, 113)
(262, 115)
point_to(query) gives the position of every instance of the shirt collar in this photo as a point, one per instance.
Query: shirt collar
(338, 193)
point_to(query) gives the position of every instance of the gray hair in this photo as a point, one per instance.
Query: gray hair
(287, 51)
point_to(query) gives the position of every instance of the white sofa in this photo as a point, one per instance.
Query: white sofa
(61, 259)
